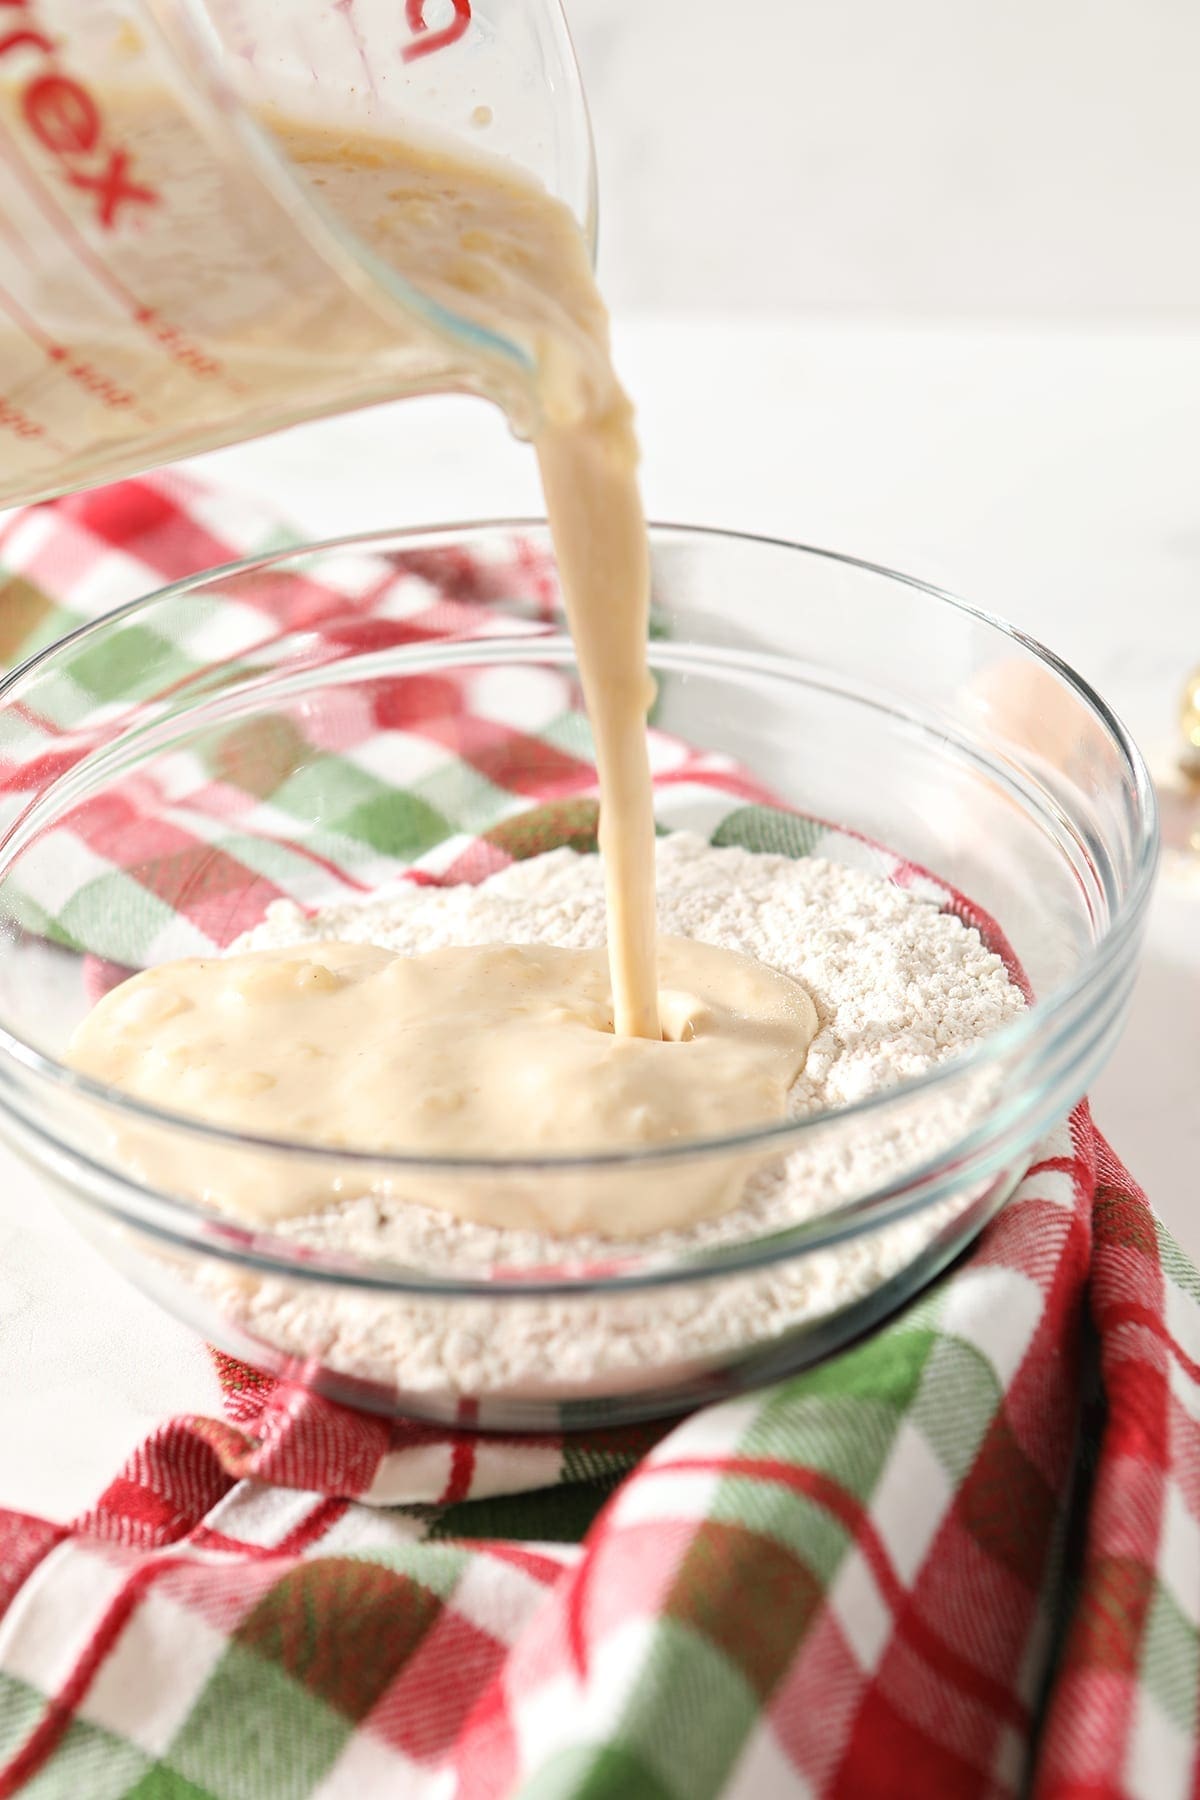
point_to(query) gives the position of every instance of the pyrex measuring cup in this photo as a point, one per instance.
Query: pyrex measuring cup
(174, 275)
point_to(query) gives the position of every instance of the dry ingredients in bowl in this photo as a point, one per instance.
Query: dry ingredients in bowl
(899, 986)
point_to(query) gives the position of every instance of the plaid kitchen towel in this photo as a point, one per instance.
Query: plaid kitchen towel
(961, 1558)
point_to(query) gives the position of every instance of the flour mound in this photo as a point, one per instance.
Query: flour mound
(899, 987)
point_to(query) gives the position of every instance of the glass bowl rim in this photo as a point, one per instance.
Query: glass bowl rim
(1033, 1022)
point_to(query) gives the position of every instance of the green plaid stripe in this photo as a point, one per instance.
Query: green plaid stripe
(1171, 1663)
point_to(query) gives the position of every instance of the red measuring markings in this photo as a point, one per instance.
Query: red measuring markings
(13, 419)
(425, 42)
(92, 380)
(176, 345)
(66, 121)
(179, 347)
(23, 425)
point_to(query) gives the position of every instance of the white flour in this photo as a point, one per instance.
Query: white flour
(899, 986)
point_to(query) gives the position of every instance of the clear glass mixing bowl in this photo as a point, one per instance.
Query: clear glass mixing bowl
(314, 723)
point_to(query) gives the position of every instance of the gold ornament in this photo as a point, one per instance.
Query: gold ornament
(1189, 722)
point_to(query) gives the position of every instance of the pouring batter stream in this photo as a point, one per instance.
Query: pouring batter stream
(507, 1050)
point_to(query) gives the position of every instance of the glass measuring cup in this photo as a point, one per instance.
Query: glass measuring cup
(180, 268)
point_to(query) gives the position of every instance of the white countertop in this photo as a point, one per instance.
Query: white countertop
(1052, 477)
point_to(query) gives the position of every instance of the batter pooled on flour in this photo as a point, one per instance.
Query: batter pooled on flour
(890, 984)
(475, 1050)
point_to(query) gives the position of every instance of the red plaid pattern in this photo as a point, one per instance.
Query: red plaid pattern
(894, 1574)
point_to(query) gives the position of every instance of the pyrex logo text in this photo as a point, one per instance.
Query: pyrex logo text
(425, 40)
(64, 118)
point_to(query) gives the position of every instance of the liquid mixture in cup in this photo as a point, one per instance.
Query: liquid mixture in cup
(500, 1049)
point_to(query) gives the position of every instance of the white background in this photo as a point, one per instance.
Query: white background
(1016, 158)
